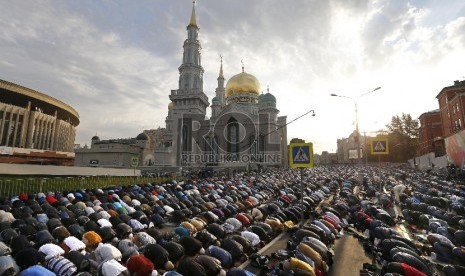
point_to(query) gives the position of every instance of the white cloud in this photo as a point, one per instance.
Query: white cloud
(116, 61)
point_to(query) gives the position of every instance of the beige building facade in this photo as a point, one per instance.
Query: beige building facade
(347, 149)
(32, 120)
(120, 153)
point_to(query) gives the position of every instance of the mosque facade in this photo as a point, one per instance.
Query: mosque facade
(244, 128)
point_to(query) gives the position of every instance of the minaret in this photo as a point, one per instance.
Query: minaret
(190, 88)
(220, 90)
(189, 101)
(218, 101)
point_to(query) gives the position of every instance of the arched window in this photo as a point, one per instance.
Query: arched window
(233, 137)
(252, 145)
(208, 145)
(189, 55)
(186, 81)
(261, 144)
(185, 138)
(261, 148)
(216, 142)
(195, 59)
(196, 82)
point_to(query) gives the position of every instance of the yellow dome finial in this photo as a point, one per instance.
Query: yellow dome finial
(242, 61)
(193, 21)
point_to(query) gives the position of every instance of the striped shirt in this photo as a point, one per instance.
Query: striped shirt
(62, 266)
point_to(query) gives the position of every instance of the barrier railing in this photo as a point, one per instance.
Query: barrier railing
(16, 186)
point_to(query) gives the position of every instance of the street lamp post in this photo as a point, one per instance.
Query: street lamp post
(355, 100)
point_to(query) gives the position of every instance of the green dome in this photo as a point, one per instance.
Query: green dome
(265, 98)
(142, 136)
(215, 100)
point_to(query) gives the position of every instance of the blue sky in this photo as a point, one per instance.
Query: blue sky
(115, 62)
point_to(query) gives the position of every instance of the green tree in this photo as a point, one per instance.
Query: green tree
(403, 133)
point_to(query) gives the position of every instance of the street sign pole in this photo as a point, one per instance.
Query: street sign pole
(302, 196)
(301, 156)
(134, 164)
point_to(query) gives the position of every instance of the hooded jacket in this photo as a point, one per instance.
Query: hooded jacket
(106, 252)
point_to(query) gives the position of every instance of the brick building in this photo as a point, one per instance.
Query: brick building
(451, 108)
(431, 133)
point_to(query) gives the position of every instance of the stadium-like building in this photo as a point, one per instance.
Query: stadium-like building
(35, 128)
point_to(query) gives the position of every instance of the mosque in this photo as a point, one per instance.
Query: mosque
(244, 127)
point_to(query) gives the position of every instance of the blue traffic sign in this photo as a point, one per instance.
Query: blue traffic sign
(301, 155)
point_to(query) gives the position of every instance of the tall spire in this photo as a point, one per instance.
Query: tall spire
(219, 91)
(221, 68)
(193, 21)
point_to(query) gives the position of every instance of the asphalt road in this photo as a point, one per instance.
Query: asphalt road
(280, 242)
(349, 254)
(349, 257)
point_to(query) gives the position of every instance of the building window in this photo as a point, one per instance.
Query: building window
(208, 145)
(186, 81)
(215, 145)
(261, 144)
(261, 147)
(233, 136)
(211, 145)
(253, 145)
(189, 56)
(185, 138)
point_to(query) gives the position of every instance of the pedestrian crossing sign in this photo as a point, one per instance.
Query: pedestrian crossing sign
(134, 162)
(301, 155)
(379, 146)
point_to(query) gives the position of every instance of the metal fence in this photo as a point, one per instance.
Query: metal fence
(15, 186)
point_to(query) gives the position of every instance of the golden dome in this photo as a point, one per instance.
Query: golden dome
(242, 83)
(170, 106)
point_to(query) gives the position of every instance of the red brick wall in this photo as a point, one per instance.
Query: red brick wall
(452, 108)
(431, 129)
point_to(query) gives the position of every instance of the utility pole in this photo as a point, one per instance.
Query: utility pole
(355, 100)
